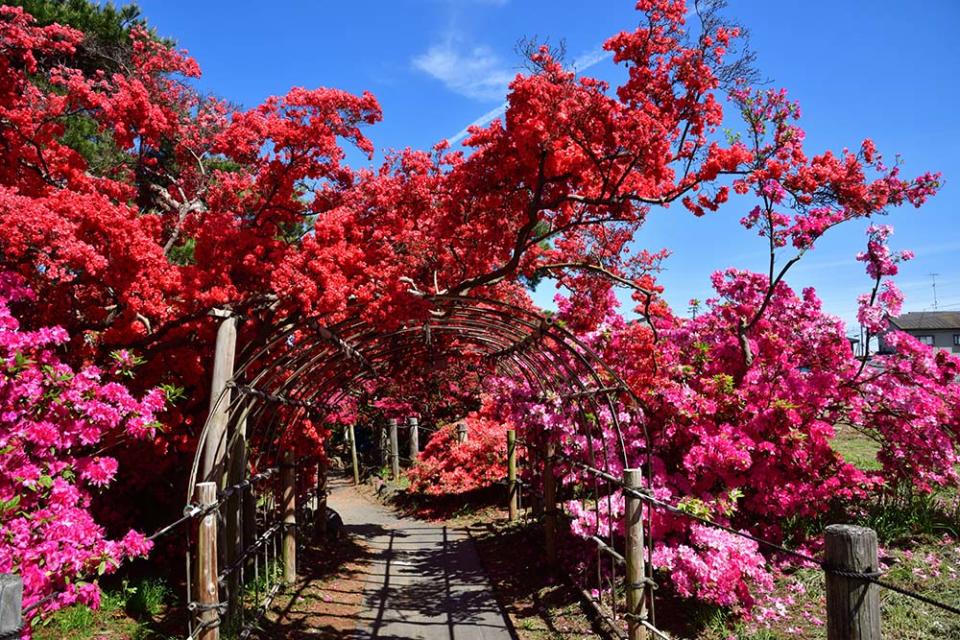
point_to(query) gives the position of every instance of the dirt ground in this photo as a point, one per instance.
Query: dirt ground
(327, 597)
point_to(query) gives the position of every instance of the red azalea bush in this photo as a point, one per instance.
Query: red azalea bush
(54, 423)
(448, 467)
(200, 206)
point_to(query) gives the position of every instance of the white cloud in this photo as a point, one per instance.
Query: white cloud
(472, 71)
(579, 65)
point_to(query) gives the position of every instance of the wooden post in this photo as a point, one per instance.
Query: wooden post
(352, 435)
(533, 498)
(636, 572)
(384, 447)
(414, 425)
(394, 450)
(215, 443)
(234, 511)
(207, 594)
(549, 504)
(462, 433)
(11, 603)
(320, 524)
(249, 517)
(512, 472)
(248, 506)
(288, 487)
(853, 606)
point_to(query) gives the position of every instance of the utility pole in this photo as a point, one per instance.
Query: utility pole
(933, 277)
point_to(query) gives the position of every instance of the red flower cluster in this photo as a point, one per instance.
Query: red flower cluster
(447, 466)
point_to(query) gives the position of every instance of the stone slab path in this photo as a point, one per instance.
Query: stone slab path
(424, 581)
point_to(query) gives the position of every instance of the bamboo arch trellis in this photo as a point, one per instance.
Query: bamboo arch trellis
(310, 368)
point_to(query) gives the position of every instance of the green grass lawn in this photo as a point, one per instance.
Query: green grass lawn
(856, 448)
(132, 612)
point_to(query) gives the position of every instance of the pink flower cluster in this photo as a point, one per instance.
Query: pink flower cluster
(715, 566)
(879, 259)
(52, 419)
(748, 443)
(873, 309)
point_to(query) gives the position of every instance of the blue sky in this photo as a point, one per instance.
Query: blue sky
(883, 69)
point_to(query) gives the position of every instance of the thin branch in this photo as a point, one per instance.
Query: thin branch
(600, 269)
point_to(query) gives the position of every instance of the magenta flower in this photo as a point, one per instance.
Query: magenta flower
(50, 418)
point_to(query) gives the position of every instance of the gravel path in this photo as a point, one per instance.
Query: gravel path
(423, 581)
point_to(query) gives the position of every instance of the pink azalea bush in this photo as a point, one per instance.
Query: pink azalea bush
(54, 423)
(715, 566)
(747, 441)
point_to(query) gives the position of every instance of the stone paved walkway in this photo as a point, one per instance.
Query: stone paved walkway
(424, 582)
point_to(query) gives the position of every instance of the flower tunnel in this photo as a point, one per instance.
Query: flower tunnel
(298, 372)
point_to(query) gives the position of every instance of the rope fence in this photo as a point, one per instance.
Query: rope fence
(611, 578)
(622, 576)
(872, 577)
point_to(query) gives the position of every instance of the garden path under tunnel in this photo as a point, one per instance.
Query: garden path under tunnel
(423, 581)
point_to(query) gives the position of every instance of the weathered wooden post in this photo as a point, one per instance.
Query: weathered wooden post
(11, 604)
(636, 572)
(394, 450)
(215, 443)
(384, 446)
(249, 517)
(352, 436)
(853, 605)
(207, 595)
(414, 425)
(462, 432)
(549, 504)
(288, 487)
(534, 498)
(512, 473)
(320, 524)
(235, 536)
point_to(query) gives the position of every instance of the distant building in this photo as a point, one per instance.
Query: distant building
(854, 344)
(939, 329)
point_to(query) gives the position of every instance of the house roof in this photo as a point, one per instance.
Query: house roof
(927, 320)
